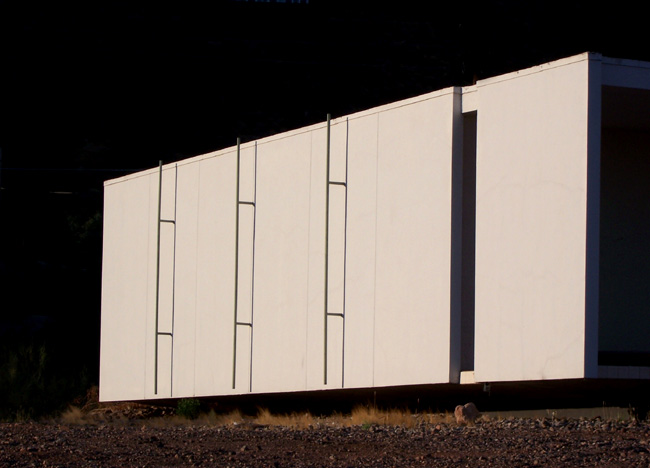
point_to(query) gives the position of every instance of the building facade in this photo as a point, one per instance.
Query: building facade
(488, 233)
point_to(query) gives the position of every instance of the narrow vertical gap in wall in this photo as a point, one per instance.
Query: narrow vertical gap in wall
(468, 243)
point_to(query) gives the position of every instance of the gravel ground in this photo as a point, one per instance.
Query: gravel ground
(503, 443)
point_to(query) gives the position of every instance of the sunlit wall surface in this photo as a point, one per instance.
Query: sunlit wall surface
(334, 256)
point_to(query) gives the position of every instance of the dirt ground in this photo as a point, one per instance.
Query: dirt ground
(324, 443)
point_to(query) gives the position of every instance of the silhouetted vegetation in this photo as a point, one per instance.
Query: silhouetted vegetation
(188, 408)
(36, 379)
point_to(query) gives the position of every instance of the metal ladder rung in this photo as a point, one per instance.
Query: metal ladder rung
(247, 203)
(333, 182)
(332, 314)
(244, 324)
(171, 221)
(165, 333)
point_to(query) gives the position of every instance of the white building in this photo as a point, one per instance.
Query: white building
(489, 233)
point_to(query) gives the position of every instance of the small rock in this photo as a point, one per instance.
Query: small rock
(466, 414)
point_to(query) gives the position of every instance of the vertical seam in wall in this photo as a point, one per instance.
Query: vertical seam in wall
(146, 317)
(311, 155)
(250, 362)
(196, 274)
(171, 371)
(345, 249)
(374, 304)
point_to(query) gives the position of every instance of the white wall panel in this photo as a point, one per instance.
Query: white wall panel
(314, 376)
(389, 241)
(185, 279)
(338, 149)
(360, 271)
(530, 225)
(245, 264)
(167, 280)
(168, 194)
(413, 243)
(247, 172)
(124, 286)
(215, 275)
(165, 358)
(150, 331)
(243, 363)
(281, 264)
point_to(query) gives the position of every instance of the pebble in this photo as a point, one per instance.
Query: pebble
(497, 443)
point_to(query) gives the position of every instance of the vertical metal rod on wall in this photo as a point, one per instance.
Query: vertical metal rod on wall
(234, 346)
(327, 227)
(155, 385)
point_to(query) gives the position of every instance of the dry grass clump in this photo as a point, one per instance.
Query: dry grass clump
(437, 418)
(74, 415)
(369, 416)
(295, 420)
(203, 419)
(213, 419)
(363, 416)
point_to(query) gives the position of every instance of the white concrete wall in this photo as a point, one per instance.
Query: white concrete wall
(125, 285)
(215, 274)
(390, 265)
(388, 262)
(413, 256)
(531, 216)
(282, 264)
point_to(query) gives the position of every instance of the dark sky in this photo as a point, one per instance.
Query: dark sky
(120, 84)
(91, 92)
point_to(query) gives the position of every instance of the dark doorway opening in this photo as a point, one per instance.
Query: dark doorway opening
(624, 283)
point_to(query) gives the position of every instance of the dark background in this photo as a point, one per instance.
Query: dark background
(92, 92)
